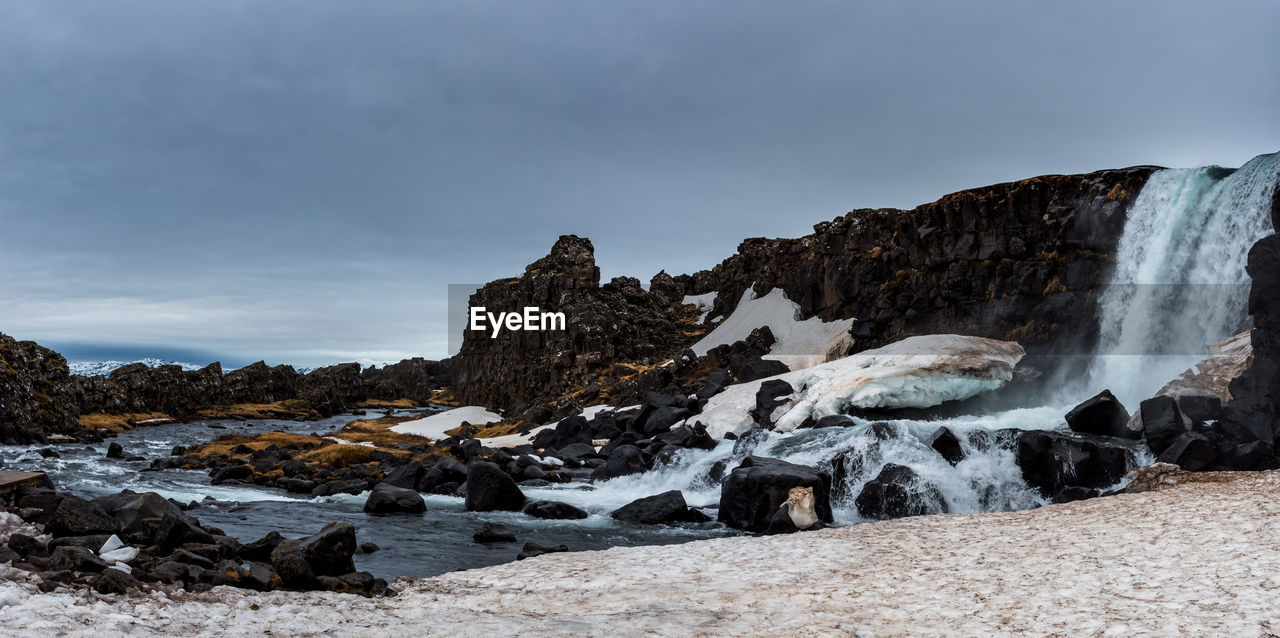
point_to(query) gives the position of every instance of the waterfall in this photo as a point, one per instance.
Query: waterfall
(1180, 283)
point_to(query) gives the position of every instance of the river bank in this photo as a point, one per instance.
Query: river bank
(1198, 558)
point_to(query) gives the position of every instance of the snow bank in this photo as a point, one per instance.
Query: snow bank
(435, 426)
(704, 303)
(800, 343)
(918, 372)
(1196, 559)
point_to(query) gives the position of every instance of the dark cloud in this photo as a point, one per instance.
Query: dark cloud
(301, 180)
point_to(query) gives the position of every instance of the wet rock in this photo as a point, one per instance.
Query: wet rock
(623, 460)
(554, 510)
(490, 489)
(1162, 422)
(494, 533)
(898, 491)
(1200, 408)
(25, 545)
(231, 473)
(754, 491)
(327, 552)
(407, 476)
(772, 394)
(115, 451)
(75, 516)
(76, 559)
(662, 509)
(946, 443)
(114, 581)
(532, 549)
(1051, 461)
(1191, 451)
(389, 499)
(1102, 415)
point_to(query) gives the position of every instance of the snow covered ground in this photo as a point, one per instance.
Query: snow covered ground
(917, 372)
(1201, 558)
(800, 344)
(435, 426)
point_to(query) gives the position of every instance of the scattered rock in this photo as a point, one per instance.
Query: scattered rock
(754, 491)
(662, 509)
(532, 549)
(490, 489)
(554, 510)
(898, 491)
(946, 443)
(328, 552)
(1102, 415)
(389, 499)
(494, 533)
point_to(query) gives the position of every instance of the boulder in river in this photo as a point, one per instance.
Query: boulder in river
(946, 443)
(389, 499)
(1162, 422)
(1102, 415)
(624, 460)
(1051, 461)
(490, 489)
(554, 510)
(754, 491)
(661, 509)
(898, 491)
(494, 533)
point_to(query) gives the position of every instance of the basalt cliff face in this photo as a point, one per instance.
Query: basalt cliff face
(1253, 415)
(1022, 261)
(618, 322)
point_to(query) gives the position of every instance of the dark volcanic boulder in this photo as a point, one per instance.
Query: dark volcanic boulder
(1162, 422)
(389, 499)
(946, 443)
(772, 394)
(1191, 451)
(754, 491)
(662, 509)
(327, 552)
(75, 516)
(1102, 415)
(897, 491)
(1051, 461)
(115, 451)
(532, 549)
(76, 559)
(625, 459)
(494, 533)
(554, 510)
(407, 476)
(114, 581)
(490, 489)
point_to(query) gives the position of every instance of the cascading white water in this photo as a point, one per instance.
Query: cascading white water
(1180, 283)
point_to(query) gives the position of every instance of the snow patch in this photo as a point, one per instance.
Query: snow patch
(800, 343)
(704, 303)
(435, 426)
(918, 372)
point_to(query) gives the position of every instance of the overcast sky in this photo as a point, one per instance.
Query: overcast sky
(299, 181)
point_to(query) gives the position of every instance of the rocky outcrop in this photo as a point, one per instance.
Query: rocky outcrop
(1253, 415)
(1022, 261)
(614, 323)
(33, 402)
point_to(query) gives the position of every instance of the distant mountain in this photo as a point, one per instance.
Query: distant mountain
(104, 368)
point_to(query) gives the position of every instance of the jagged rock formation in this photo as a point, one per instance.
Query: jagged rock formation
(614, 323)
(31, 398)
(1022, 261)
(39, 397)
(1252, 418)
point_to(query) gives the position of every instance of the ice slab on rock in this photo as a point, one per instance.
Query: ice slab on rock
(918, 372)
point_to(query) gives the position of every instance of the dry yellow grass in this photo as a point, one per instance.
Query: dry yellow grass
(444, 397)
(383, 403)
(117, 422)
(289, 409)
(223, 444)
